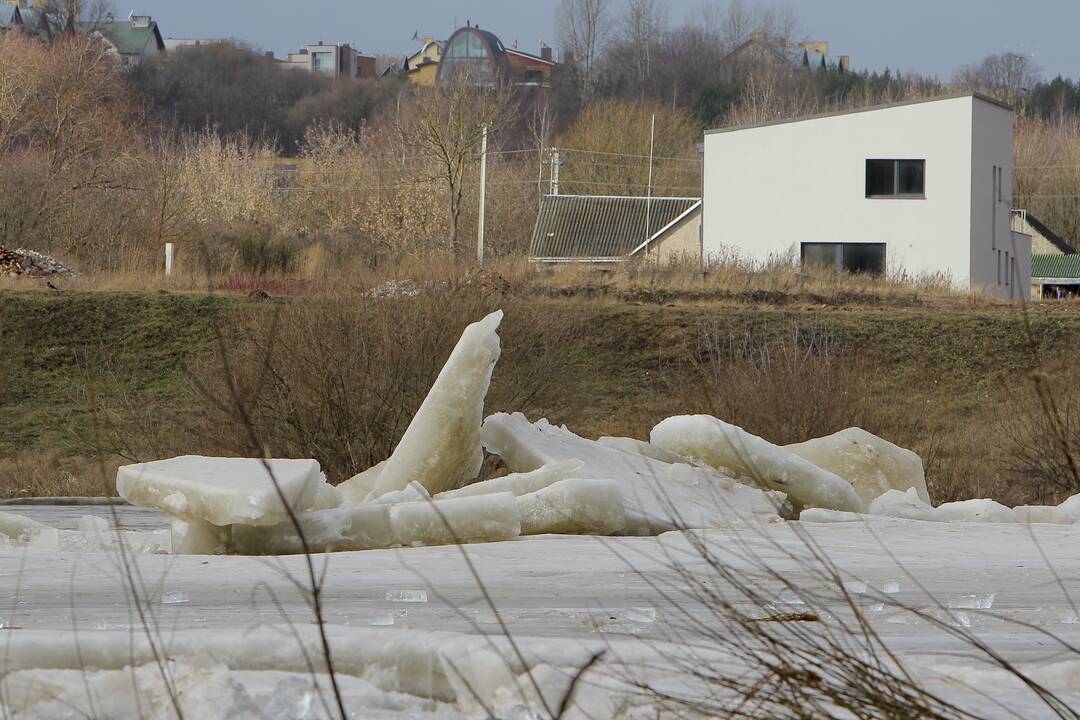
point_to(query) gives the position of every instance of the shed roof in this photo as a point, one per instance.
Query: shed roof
(602, 227)
(1051, 237)
(9, 14)
(1055, 266)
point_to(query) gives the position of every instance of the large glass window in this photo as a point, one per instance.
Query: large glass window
(895, 178)
(322, 62)
(845, 257)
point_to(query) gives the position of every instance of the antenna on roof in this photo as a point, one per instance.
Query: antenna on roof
(131, 14)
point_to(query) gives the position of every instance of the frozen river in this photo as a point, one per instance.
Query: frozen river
(1011, 585)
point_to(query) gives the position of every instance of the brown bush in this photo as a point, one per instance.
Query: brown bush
(338, 377)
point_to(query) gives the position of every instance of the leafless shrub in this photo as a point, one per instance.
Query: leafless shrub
(786, 386)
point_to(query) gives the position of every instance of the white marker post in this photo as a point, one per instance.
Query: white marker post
(169, 252)
(483, 198)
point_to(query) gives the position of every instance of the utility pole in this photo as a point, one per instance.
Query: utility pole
(483, 198)
(648, 196)
(555, 163)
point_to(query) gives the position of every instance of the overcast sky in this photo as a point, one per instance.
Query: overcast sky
(932, 37)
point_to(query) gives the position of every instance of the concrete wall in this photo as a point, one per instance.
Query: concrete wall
(681, 243)
(769, 188)
(992, 241)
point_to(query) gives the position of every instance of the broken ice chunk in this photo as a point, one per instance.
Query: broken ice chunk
(359, 486)
(973, 602)
(198, 537)
(520, 483)
(907, 505)
(1071, 508)
(975, 511)
(872, 465)
(349, 527)
(174, 597)
(821, 515)
(723, 445)
(1048, 514)
(485, 518)
(221, 491)
(19, 527)
(441, 447)
(327, 497)
(573, 507)
(415, 492)
(657, 496)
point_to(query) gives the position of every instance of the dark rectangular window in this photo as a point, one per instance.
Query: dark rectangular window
(845, 257)
(895, 178)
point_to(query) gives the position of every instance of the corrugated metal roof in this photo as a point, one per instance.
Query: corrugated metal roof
(601, 227)
(1055, 266)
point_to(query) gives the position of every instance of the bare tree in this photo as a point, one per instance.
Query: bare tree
(642, 28)
(448, 125)
(60, 17)
(541, 127)
(583, 27)
(1007, 76)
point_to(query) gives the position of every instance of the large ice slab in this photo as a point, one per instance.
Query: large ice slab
(657, 496)
(441, 447)
(723, 445)
(871, 464)
(221, 491)
(574, 507)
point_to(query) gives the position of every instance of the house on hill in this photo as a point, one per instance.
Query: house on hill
(423, 65)
(763, 49)
(482, 57)
(919, 188)
(607, 229)
(131, 41)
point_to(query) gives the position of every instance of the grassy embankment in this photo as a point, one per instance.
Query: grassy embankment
(943, 377)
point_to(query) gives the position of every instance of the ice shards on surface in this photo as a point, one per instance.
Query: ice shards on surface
(903, 504)
(359, 486)
(1045, 514)
(221, 491)
(722, 445)
(872, 465)
(441, 447)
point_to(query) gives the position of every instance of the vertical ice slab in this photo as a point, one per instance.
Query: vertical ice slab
(441, 447)
(723, 445)
(221, 491)
(871, 464)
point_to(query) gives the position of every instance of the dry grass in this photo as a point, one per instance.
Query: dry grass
(50, 473)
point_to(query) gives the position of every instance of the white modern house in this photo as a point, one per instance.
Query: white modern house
(917, 188)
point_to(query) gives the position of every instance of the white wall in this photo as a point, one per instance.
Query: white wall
(769, 188)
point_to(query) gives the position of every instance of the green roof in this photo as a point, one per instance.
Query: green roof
(1055, 266)
(128, 39)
